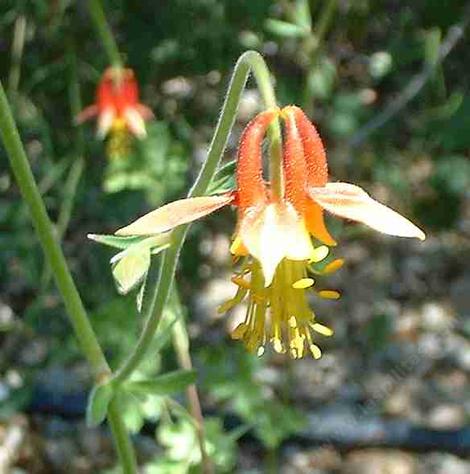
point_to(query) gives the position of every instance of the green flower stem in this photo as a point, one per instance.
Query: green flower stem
(46, 234)
(75, 310)
(121, 439)
(107, 39)
(249, 61)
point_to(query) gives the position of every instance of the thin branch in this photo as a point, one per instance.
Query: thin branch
(17, 48)
(454, 35)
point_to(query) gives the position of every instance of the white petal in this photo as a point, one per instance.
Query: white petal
(135, 122)
(105, 122)
(174, 214)
(351, 202)
(273, 233)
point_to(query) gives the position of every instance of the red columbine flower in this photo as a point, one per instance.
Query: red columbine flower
(273, 233)
(117, 104)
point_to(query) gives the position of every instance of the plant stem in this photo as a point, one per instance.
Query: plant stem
(249, 61)
(454, 34)
(55, 257)
(104, 31)
(46, 234)
(121, 439)
(312, 47)
(181, 345)
(324, 21)
(17, 48)
(271, 460)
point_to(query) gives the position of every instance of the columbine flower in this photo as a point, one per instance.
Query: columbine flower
(273, 233)
(117, 104)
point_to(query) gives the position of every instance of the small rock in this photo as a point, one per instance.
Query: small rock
(318, 460)
(179, 87)
(249, 104)
(437, 317)
(446, 417)
(439, 463)
(460, 295)
(462, 355)
(400, 402)
(378, 461)
(214, 294)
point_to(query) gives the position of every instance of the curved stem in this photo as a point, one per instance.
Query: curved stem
(107, 39)
(45, 231)
(55, 257)
(264, 82)
(249, 61)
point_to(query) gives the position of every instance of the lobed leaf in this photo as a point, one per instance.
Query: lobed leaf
(98, 402)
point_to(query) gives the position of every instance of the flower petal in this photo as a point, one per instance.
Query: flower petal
(144, 111)
(273, 232)
(351, 202)
(105, 121)
(316, 224)
(249, 170)
(174, 214)
(314, 151)
(294, 166)
(135, 122)
(86, 114)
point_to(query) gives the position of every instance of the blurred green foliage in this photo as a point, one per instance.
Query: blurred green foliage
(368, 53)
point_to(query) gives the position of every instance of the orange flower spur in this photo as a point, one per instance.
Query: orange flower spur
(117, 105)
(273, 236)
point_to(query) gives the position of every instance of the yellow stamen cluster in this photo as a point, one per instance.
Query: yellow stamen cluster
(119, 141)
(289, 324)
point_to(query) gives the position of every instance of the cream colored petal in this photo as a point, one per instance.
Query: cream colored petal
(145, 111)
(272, 233)
(351, 202)
(174, 214)
(105, 122)
(86, 114)
(135, 122)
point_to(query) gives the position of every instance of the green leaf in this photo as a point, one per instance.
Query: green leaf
(130, 266)
(379, 332)
(285, 29)
(303, 15)
(432, 43)
(130, 269)
(445, 110)
(164, 384)
(124, 242)
(98, 401)
(131, 410)
(224, 179)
